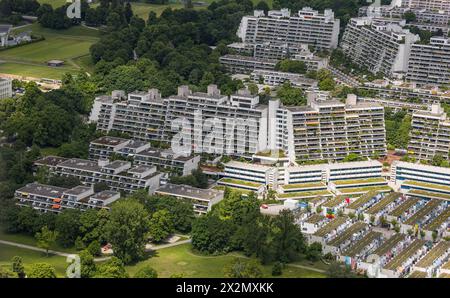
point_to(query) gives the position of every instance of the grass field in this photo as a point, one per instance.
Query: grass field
(54, 3)
(29, 240)
(71, 45)
(181, 260)
(29, 257)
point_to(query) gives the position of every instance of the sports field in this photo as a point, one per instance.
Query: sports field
(71, 46)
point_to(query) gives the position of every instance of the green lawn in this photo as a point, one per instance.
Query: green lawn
(71, 45)
(29, 257)
(181, 260)
(54, 3)
(28, 240)
(35, 71)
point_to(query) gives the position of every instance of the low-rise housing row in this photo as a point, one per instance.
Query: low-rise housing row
(49, 198)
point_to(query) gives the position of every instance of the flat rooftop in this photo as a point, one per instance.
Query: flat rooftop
(77, 190)
(43, 190)
(116, 164)
(109, 141)
(188, 191)
(50, 161)
(105, 195)
(80, 164)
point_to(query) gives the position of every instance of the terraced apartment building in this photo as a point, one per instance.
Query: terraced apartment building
(307, 26)
(146, 116)
(328, 130)
(430, 134)
(380, 45)
(430, 63)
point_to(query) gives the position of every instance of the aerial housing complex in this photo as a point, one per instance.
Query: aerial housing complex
(430, 63)
(328, 130)
(430, 134)
(379, 45)
(307, 26)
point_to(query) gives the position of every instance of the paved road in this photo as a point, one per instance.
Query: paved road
(53, 252)
(156, 247)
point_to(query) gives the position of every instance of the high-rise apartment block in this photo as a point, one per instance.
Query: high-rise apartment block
(307, 26)
(328, 130)
(380, 45)
(430, 134)
(324, 129)
(430, 63)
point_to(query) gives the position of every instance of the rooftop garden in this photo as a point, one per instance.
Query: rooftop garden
(360, 181)
(240, 182)
(271, 153)
(303, 185)
(427, 185)
(350, 190)
(304, 194)
(428, 194)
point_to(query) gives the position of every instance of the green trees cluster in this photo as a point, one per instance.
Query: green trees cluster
(291, 96)
(293, 66)
(398, 126)
(236, 224)
(196, 179)
(44, 119)
(169, 50)
(128, 226)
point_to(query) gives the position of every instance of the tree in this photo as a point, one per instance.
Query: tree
(292, 66)
(437, 160)
(92, 223)
(211, 234)
(41, 270)
(336, 270)
(288, 241)
(94, 248)
(113, 268)
(68, 226)
(277, 269)
(161, 225)
(88, 267)
(6, 273)
(17, 266)
(290, 95)
(314, 252)
(409, 16)
(262, 5)
(46, 238)
(146, 272)
(127, 229)
(238, 268)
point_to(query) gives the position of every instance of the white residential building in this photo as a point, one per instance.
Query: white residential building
(430, 134)
(380, 45)
(275, 78)
(430, 63)
(48, 198)
(202, 199)
(5, 88)
(118, 175)
(327, 129)
(307, 26)
(141, 153)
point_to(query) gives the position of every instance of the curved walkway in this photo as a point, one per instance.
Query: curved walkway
(53, 252)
